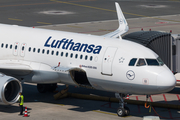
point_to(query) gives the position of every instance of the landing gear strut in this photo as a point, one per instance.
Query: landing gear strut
(122, 110)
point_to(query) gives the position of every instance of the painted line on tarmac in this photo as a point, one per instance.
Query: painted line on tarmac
(174, 0)
(104, 112)
(44, 23)
(27, 4)
(111, 10)
(60, 104)
(82, 0)
(74, 26)
(15, 19)
(83, 5)
(98, 111)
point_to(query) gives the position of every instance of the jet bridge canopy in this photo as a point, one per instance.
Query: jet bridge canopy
(159, 42)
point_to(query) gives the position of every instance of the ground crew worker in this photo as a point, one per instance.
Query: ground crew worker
(21, 102)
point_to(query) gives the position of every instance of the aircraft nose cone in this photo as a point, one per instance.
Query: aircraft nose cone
(166, 81)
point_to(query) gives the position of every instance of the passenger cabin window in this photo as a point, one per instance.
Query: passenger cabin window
(38, 50)
(76, 56)
(61, 53)
(47, 51)
(43, 51)
(10, 46)
(6, 45)
(66, 54)
(29, 49)
(81, 56)
(71, 55)
(52, 52)
(132, 62)
(16, 47)
(34, 50)
(2, 45)
(152, 62)
(86, 57)
(57, 53)
(91, 58)
(141, 62)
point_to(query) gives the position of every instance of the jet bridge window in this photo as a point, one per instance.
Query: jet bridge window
(132, 62)
(152, 62)
(141, 62)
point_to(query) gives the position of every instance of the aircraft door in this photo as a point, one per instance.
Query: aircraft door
(23, 48)
(16, 47)
(107, 61)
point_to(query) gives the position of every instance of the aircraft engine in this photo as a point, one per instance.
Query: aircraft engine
(9, 89)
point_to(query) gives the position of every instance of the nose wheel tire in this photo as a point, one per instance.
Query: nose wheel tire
(121, 112)
(127, 111)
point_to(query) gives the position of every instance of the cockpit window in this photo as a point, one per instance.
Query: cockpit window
(152, 62)
(141, 62)
(132, 62)
(160, 61)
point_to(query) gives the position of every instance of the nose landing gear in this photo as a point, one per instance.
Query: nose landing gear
(122, 110)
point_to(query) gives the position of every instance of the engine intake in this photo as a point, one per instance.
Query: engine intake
(9, 89)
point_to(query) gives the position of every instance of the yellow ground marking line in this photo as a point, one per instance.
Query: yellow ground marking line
(15, 19)
(83, 5)
(108, 113)
(112, 10)
(61, 104)
(174, 0)
(44, 23)
(82, 0)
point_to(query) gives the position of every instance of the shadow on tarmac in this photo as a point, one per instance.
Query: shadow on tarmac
(32, 95)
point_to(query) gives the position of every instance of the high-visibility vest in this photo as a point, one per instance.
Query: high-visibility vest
(22, 100)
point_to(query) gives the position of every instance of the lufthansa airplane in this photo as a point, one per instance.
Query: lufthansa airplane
(107, 62)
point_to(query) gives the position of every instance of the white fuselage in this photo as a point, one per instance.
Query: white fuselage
(104, 60)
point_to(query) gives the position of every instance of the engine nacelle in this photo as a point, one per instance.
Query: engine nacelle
(9, 89)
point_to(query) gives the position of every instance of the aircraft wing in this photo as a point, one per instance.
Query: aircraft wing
(123, 25)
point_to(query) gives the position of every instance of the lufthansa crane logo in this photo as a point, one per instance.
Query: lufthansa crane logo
(130, 75)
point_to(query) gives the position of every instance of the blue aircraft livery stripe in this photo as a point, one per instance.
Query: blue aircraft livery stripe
(70, 45)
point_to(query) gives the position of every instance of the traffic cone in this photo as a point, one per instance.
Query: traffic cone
(26, 114)
(127, 97)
